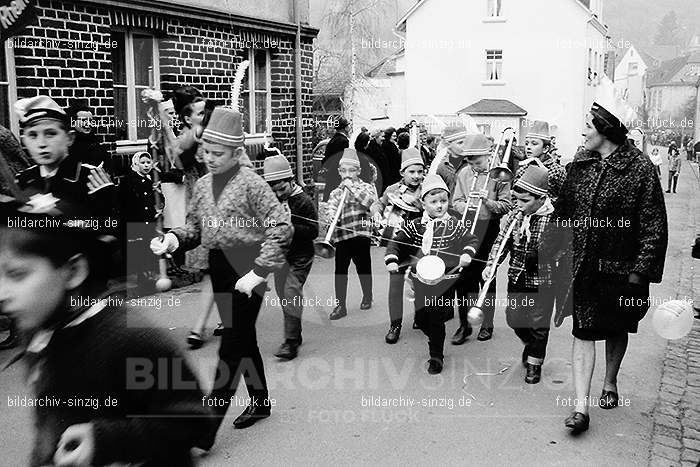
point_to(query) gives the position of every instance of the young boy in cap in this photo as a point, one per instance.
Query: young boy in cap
(530, 301)
(47, 135)
(290, 280)
(352, 234)
(399, 204)
(440, 234)
(538, 149)
(237, 217)
(450, 148)
(495, 199)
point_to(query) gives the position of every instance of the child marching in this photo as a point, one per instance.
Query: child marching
(240, 258)
(530, 301)
(538, 149)
(290, 280)
(352, 234)
(473, 187)
(442, 237)
(399, 204)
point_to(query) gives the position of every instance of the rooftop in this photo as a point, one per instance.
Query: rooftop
(494, 107)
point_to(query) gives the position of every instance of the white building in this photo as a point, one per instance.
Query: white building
(542, 57)
(630, 78)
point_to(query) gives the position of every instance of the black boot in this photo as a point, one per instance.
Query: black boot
(251, 415)
(338, 312)
(392, 337)
(533, 373)
(435, 365)
(461, 335)
(366, 303)
(287, 351)
(485, 334)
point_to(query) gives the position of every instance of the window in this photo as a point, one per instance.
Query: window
(494, 8)
(256, 96)
(134, 68)
(8, 89)
(484, 128)
(632, 70)
(494, 65)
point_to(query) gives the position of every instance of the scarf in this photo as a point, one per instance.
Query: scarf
(546, 208)
(135, 165)
(430, 223)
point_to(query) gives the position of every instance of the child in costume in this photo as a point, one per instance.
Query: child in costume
(352, 234)
(441, 234)
(290, 280)
(235, 215)
(538, 150)
(399, 204)
(527, 284)
(495, 201)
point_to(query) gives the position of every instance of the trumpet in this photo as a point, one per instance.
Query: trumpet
(502, 172)
(324, 248)
(475, 315)
(473, 197)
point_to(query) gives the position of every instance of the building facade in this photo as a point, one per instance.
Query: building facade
(672, 91)
(548, 63)
(108, 52)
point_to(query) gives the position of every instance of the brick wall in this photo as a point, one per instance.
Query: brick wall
(63, 71)
(187, 58)
(61, 68)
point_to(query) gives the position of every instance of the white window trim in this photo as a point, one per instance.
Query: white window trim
(130, 78)
(11, 85)
(494, 19)
(251, 95)
(488, 9)
(489, 62)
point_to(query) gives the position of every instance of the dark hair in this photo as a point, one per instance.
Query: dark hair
(59, 247)
(523, 191)
(361, 142)
(187, 109)
(615, 134)
(389, 131)
(403, 140)
(184, 95)
(430, 139)
(77, 105)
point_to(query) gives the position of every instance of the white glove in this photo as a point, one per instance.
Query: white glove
(392, 267)
(465, 260)
(168, 244)
(247, 283)
(486, 273)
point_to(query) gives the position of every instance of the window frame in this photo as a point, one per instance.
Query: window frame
(491, 62)
(251, 91)
(498, 5)
(11, 84)
(130, 72)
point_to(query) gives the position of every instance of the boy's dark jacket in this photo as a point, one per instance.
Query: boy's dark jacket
(156, 420)
(304, 220)
(70, 184)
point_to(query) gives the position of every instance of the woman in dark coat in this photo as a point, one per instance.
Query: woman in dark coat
(612, 209)
(392, 157)
(375, 153)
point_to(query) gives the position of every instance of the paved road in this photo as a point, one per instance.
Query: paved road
(323, 414)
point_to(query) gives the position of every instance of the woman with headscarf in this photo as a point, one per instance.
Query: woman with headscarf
(138, 208)
(368, 170)
(611, 231)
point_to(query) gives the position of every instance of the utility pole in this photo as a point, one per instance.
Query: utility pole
(353, 63)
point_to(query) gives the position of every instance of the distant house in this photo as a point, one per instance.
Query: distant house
(483, 56)
(630, 77)
(672, 86)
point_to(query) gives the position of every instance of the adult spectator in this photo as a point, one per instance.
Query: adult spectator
(375, 153)
(392, 157)
(334, 150)
(86, 147)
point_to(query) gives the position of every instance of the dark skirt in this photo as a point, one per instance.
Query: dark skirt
(606, 306)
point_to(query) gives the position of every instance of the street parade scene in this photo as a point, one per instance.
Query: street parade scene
(349, 232)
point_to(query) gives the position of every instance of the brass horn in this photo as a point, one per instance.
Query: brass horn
(324, 248)
(502, 172)
(472, 196)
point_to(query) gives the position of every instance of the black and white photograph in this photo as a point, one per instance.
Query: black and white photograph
(349, 232)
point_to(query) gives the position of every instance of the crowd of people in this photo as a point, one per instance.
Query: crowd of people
(447, 221)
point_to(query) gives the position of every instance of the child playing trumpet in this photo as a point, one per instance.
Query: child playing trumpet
(441, 234)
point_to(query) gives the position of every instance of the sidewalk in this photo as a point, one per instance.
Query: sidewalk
(676, 415)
